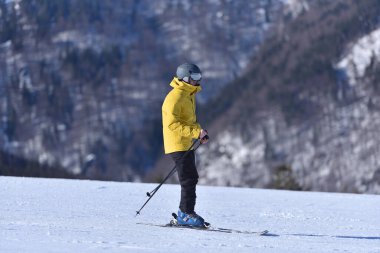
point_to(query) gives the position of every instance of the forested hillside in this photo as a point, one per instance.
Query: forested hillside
(82, 82)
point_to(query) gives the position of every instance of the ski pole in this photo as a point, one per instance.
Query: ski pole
(172, 171)
(151, 194)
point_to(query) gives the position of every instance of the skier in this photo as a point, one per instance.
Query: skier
(180, 127)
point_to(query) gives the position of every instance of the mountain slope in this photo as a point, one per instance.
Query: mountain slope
(294, 120)
(41, 215)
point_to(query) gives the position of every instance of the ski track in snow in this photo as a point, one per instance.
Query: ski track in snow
(51, 215)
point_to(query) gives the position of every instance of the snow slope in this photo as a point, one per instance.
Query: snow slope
(50, 215)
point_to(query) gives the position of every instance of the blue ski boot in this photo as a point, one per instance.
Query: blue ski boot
(192, 219)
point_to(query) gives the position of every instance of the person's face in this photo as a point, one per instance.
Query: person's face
(193, 82)
(195, 79)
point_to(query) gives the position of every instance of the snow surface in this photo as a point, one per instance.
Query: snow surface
(51, 215)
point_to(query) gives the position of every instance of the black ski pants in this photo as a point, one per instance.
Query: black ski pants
(188, 178)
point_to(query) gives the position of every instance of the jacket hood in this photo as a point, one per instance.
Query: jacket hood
(181, 85)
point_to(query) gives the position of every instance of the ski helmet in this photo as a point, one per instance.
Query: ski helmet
(189, 70)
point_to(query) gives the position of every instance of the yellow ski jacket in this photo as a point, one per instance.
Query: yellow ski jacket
(179, 121)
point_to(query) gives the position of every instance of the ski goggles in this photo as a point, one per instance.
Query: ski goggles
(196, 76)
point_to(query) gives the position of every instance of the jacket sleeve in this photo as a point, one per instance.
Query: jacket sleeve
(172, 111)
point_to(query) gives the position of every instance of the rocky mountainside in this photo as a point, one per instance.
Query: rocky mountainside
(82, 82)
(305, 114)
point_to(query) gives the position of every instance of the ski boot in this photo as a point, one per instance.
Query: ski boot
(193, 219)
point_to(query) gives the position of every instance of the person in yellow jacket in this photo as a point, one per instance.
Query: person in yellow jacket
(180, 127)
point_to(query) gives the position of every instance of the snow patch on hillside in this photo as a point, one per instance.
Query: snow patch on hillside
(231, 159)
(295, 7)
(81, 40)
(359, 56)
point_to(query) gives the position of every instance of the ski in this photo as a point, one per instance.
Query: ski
(210, 229)
(207, 227)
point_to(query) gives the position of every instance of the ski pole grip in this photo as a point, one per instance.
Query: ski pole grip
(205, 138)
